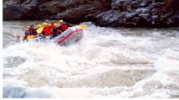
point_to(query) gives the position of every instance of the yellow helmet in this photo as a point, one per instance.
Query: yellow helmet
(39, 26)
(44, 24)
(60, 21)
(55, 24)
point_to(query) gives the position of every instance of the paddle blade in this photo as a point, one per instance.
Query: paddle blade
(40, 30)
(83, 26)
(30, 36)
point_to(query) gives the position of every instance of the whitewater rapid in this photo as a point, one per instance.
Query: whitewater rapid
(106, 62)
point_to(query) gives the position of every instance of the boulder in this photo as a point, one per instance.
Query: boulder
(113, 13)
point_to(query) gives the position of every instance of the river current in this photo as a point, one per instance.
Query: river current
(106, 62)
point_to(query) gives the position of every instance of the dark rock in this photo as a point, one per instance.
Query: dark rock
(144, 3)
(153, 13)
(114, 13)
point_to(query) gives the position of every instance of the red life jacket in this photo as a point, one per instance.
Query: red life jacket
(30, 30)
(64, 27)
(59, 31)
(48, 29)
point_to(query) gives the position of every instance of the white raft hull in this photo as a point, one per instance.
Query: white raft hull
(70, 36)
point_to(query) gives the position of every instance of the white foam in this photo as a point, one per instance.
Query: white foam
(107, 62)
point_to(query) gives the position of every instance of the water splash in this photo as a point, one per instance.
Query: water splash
(107, 62)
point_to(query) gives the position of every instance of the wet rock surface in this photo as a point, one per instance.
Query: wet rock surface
(113, 13)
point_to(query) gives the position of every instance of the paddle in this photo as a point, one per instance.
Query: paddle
(40, 30)
(83, 26)
(30, 36)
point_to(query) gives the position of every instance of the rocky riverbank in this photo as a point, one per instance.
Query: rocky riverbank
(113, 13)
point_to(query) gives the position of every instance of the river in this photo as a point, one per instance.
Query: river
(106, 62)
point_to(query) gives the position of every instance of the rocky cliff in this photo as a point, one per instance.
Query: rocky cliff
(114, 13)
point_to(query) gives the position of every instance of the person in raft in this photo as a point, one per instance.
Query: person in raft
(64, 25)
(58, 30)
(55, 31)
(47, 30)
(31, 31)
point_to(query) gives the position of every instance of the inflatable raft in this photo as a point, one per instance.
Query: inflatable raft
(70, 36)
